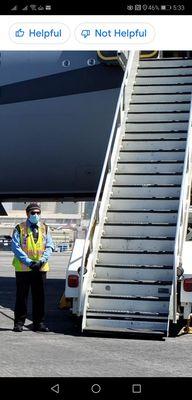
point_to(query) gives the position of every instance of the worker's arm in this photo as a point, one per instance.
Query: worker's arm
(49, 247)
(17, 250)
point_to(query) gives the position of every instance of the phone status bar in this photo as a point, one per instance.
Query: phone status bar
(131, 7)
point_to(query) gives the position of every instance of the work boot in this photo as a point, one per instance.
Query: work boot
(18, 328)
(41, 327)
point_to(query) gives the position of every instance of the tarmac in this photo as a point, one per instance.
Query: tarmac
(66, 352)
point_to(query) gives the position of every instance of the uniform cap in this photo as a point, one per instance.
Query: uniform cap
(33, 207)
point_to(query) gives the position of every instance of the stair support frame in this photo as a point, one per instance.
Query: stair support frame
(106, 181)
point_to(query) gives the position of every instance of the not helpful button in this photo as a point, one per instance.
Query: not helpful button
(37, 33)
(115, 33)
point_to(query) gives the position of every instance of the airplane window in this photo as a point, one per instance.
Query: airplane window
(66, 63)
(91, 61)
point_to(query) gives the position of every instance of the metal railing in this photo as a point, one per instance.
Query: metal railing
(123, 57)
(182, 217)
(95, 217)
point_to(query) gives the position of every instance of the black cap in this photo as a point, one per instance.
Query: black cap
(33, 207)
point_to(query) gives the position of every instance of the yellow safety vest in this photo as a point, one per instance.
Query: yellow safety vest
(32, 249)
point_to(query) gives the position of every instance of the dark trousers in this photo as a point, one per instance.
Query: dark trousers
(25, 281)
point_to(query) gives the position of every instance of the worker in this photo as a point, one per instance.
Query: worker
(32, 246)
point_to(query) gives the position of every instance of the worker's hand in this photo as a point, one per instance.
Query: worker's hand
(36, 265)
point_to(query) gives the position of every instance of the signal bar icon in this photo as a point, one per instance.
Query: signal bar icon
(15, 8)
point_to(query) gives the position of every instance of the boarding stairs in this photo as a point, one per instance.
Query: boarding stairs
(140, 214)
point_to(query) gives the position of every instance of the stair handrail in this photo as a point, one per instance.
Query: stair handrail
(121, 104)
(183, 210)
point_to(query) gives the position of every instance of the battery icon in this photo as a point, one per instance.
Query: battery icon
(166, 7)
(48, 7)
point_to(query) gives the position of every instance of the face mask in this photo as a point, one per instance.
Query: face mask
(34, 219)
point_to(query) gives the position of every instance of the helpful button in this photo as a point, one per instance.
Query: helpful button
(32, 33)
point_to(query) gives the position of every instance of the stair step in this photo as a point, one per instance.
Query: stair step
(158, 125)
(132, 303)
(169, 71)
(160, 98)
(137, 237)
(146, 191)
(121, 257)
(157, 116)
(131, 282)
(142, 229)
(126, 313)
(133, 288)
(128, 328)
(133, 272)
(163, 80)
(162, 89)
(130, 216)
(148, 185)
(127, 297)
(171, 138)
(155, 135)
(128, 179)
(146, 155)
(164, 63)
(148, 167)
(110, 243)
(137, 251)
(140, 197)
(159, 106)
(144, 204)
(153, 145)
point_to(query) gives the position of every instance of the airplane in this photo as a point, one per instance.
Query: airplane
(56, 115)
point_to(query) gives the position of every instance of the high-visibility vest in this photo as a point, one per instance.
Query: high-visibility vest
(32, 249)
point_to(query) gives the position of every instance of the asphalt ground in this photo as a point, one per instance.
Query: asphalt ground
(66, 352)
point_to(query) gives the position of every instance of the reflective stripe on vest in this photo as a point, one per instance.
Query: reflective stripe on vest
(32, 249)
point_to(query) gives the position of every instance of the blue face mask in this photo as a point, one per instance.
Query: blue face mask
(34, 219)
